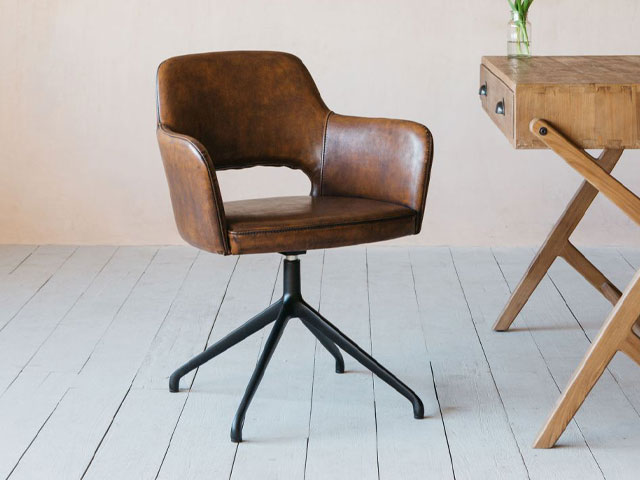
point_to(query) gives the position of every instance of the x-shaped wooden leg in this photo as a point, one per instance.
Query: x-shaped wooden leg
(557, 245)
(617, 333)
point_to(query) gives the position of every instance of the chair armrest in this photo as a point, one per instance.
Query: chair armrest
(195, 194)
(379, 159)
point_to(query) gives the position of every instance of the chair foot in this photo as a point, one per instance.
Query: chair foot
(256, 377)
(236, 433)
(250, 327)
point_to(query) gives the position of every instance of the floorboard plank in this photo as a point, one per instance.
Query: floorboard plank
(563, 344)
(21, 338)
(186, 329)
(480, 437)
(524, 382)
(11, 256)
(65, 351)
(76, 335)
(631, 255)
(68, 441)
(18, 287)
(55, 278)
(407, 448)
(24, 409)
(141, 432)
(342, 436)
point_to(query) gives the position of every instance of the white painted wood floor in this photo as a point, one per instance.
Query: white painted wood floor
(89, 335)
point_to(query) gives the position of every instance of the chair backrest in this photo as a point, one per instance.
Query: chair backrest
(246, 108)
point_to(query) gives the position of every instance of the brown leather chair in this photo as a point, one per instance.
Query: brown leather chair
(369, 178)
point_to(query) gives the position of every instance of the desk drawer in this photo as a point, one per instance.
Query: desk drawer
(497, 100)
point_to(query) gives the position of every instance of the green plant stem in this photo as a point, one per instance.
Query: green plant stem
(518, 42)
(526, 38)
(523, 37)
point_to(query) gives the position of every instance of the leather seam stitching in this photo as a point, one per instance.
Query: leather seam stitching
(324, 149)
(428, 162)
(318, 226)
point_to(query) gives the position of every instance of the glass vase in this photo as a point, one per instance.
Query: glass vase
(518, 37)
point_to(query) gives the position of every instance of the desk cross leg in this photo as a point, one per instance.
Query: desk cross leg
(617, 333)
(556, 245)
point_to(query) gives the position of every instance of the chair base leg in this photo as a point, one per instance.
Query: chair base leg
(328, 344)
(291, 305)
(308, 314)
(258, 373)
(258, 322)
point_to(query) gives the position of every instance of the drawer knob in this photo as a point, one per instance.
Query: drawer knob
(500, 107)
(483, 90)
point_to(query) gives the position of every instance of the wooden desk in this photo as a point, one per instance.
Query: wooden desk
(569, 104)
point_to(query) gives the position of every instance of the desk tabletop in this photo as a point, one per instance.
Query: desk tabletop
(604, 70)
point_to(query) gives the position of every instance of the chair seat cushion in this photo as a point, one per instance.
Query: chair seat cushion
(288, 224)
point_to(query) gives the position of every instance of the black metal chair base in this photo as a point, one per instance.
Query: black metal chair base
(291, 305)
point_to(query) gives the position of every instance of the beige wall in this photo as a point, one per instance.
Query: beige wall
(78, 157)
